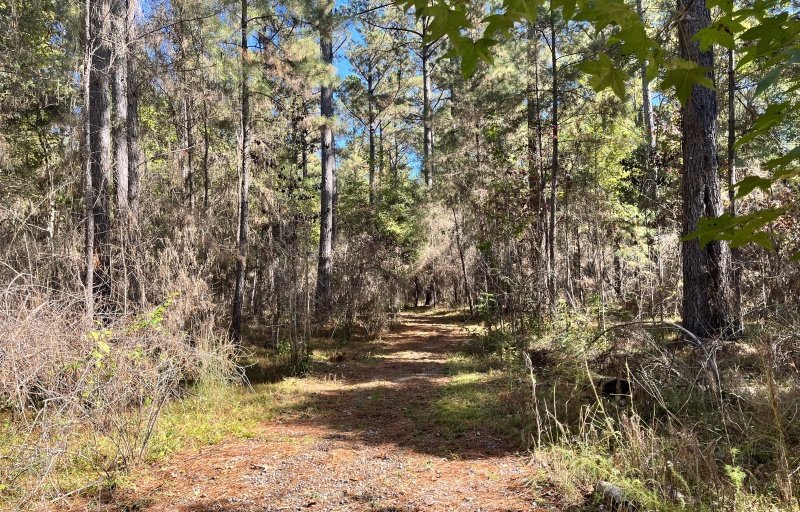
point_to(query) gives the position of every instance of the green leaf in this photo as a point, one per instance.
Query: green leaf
(683, 75)
(634, 40)
(604, 13)
(604, 75)
(103, 346)
(769, 80)
(793, 54)
(567, 7)
(777, 163)
(445, 22)
(498, 23)
(747, 185)
(737, 230)
(762, 238)
(744, 139)
(474, 51)
(772, 116)
(786, 172)
(717, 34)
(654, 64)
(522, 9)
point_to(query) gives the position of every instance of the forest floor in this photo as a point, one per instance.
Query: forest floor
(401, 423)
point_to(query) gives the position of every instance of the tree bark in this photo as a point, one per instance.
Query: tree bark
(119, 132)
(100, 147)
(706, 290)
(120, 100)
(87, 156)
(327, 188)
(551, 238)
(244, 188)
(206, 149)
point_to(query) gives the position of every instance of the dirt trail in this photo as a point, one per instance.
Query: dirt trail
(357, 443)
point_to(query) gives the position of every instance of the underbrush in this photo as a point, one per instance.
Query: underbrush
(672, 425)
(80, 401)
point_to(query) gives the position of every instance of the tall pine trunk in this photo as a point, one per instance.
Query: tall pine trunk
(120, 136)
(551, 233)
(244, 189)
(87, 157)
(535, 178)
(328, 184)
(706, 290)
(100, 148)
(188, 153)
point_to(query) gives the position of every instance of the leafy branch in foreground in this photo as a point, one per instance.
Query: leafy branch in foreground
(772, 35)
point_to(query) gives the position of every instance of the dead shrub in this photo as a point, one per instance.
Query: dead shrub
(80, 395)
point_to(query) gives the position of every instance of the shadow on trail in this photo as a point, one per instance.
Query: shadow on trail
(226, 505)
(405, 397)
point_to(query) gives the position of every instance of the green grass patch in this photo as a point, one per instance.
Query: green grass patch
(472, 402)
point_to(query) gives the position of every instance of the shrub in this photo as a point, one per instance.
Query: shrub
(79, 395)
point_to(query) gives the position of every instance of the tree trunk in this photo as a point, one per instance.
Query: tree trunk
(380, 149)
(120, 136)
(135, 290)
(467, 292)
(120, 100)
(327, 189)
(304, 155)
(188, 182)
(87, 156)
(551, 238)
(706, 291)
(427, 121)
(244, 187)
(206, 149)
(535, 182)
(371, 115)
(100, 147)
(735, 257)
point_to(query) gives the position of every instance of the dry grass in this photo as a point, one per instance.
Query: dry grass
(79, 401)
(678, 442)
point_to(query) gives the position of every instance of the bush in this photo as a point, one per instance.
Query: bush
(76, 394)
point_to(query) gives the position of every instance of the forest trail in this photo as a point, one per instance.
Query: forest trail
(366, 434)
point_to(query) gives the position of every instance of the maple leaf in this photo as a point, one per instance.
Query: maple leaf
(683, 75)
(605, 74)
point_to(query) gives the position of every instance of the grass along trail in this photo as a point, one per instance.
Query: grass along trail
(402, 423)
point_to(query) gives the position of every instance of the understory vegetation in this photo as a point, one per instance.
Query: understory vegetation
(673, 426)
(208, 206)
